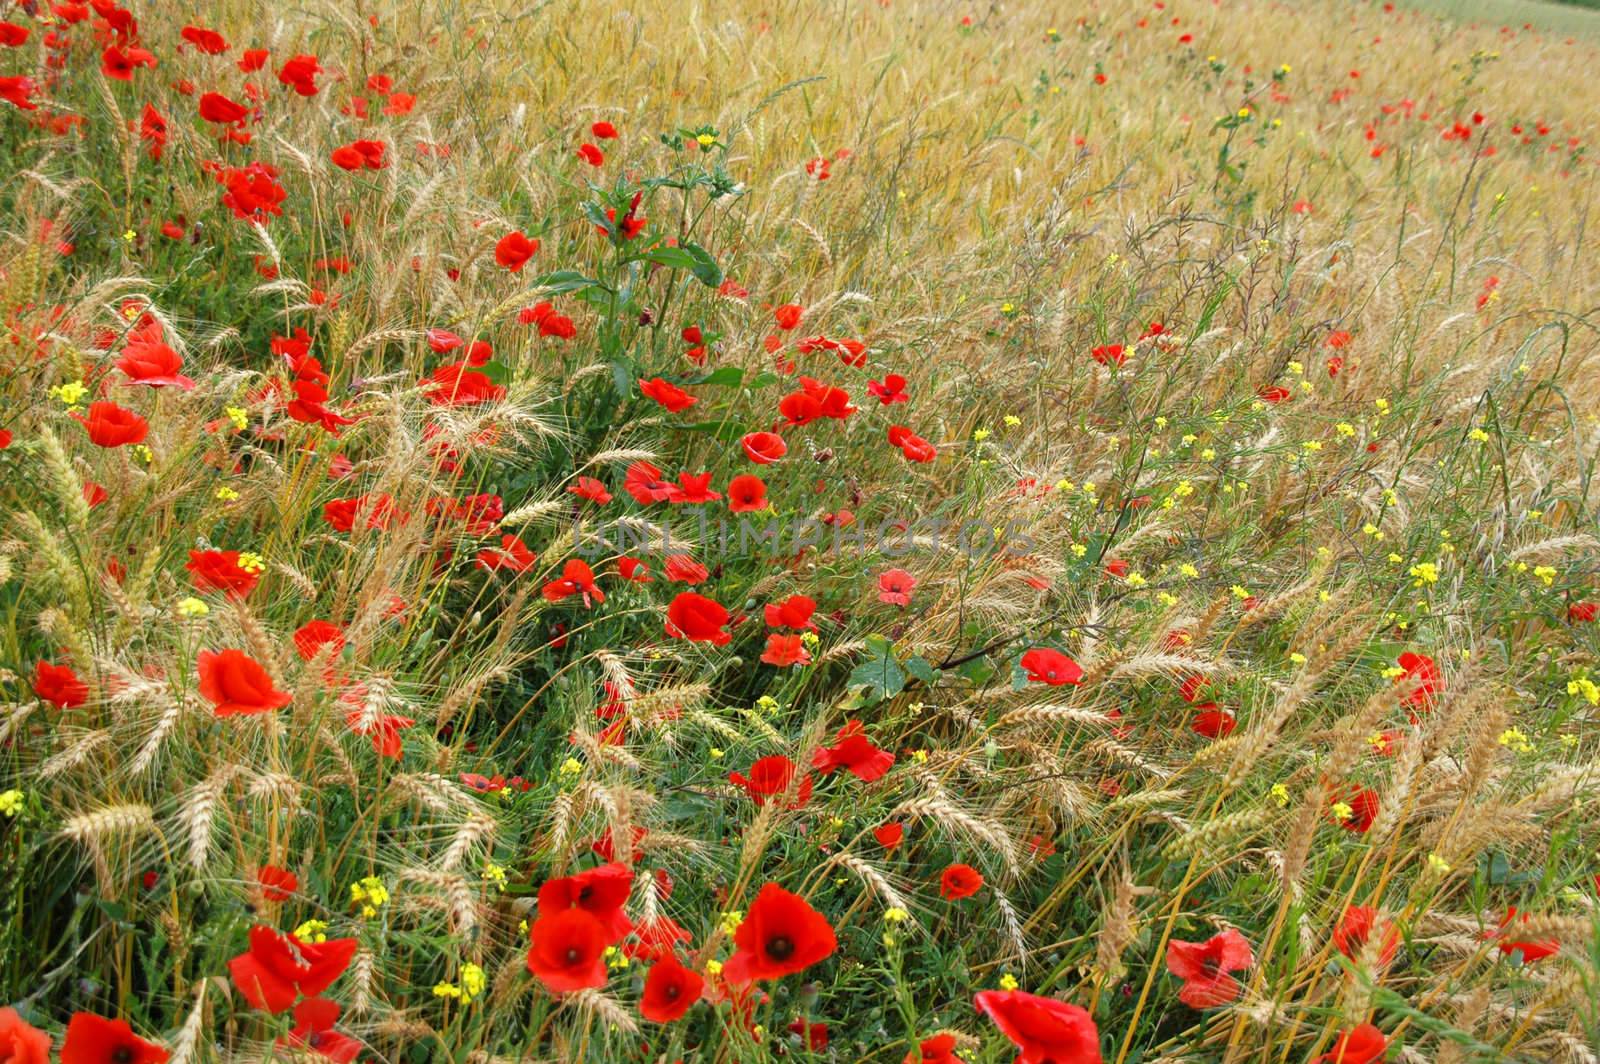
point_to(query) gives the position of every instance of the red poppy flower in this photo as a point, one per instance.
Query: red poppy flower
(148, 360)
(669, 395)
(785, 650)
(568, 951)
(313, 1028)
(1420, 670)
(277, 884)
(1050, 666)
(780, 935)
(657, 937)
(591, 489)
(772, 777)
(279, 967)
(514, 250)
(59, 685)
(237, 685)
(800, 409)
(360, 155)
(215, 107)
(682, 569)
(747, 493)
(21, 1042)
(512, 555)
(1583, 612)
(1204, 968)
(370, 511)
(852, 750)
(889, 835)
(693, 488)
(459, 384)
(300, 74)
(576, 579)
(693, 616)
(13, 35)
(890, 390)
(600, 892)
(383, 729)
(120, 63)
(1109, 355)
(1275, 393)
(1212, 721)
(813, 1035)
(940, 1049)
(94, 1039)
(763, 448)
(219, 570)
(1363, 805)
(253, 59)
(603, 131)
(634, 570)
(1046, 1031)
(643, 482)
(1359, 1045)
(912, 446)
(1356, 927)
(669, 990)
(1528, 951)
(787, 316)
(959, 881)
(591, 155)
(895, 587)
(793, 612)
(110, 425)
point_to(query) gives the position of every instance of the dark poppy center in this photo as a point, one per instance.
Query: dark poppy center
(673, 992)
(574, 955)
(584, 892)
(780, 948)
(122, 1055)
(1211, 967)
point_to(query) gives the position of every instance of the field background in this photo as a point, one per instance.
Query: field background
(1346, 257)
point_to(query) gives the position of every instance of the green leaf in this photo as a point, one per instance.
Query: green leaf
(498, 372)
(622, 380)
(688, 256)
(922, 669)
(726, 377)
(880, 676)
(562, 282)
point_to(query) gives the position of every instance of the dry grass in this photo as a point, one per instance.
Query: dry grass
(1002, 198)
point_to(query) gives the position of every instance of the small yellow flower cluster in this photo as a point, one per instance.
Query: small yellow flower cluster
(473, 982)
(731, 920)
(189, 606)
(251, 562)
(71, 393)
(1545, 573)
(493, 873)
(1516, 739)
(370, 894)
(1582, 685)
(1424, 573)
(10, 803)
(313, 931)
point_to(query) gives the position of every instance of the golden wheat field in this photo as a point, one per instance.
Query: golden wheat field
(821, 530)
